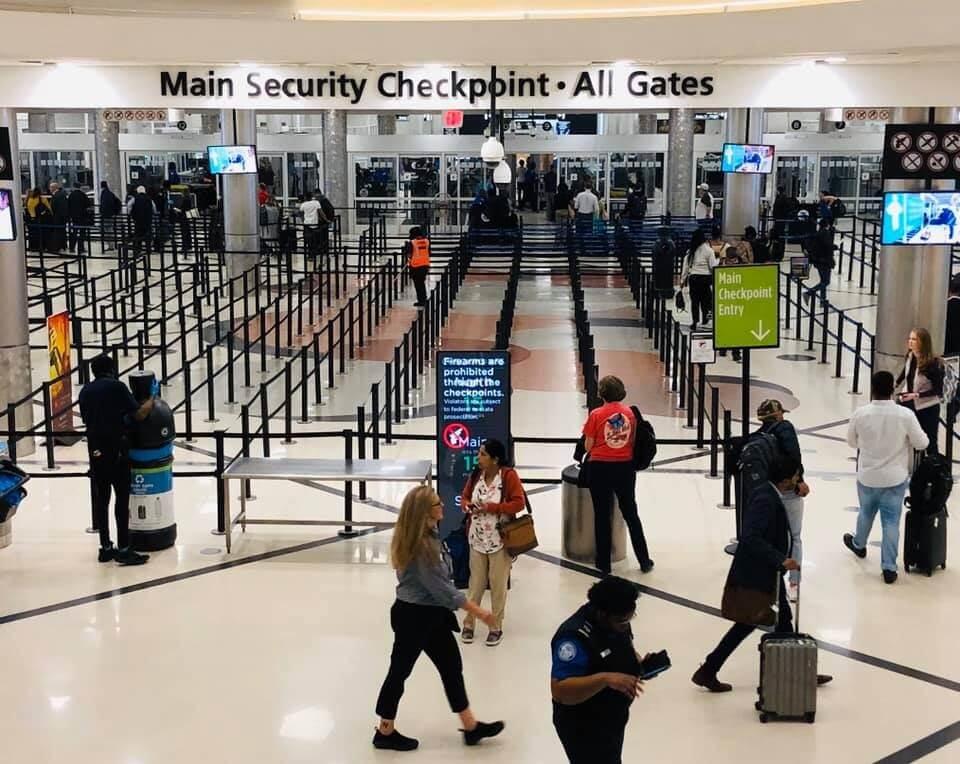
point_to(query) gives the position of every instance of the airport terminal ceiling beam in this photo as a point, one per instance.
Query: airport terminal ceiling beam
(872, 27)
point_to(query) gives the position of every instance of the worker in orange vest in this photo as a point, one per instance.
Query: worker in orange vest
(417, 251)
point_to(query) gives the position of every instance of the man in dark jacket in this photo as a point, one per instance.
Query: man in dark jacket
(664, 259)
(141, 210)
(820, 249)
(110, 206)
(759, 565)
(951, 344)
(61, 214)
(79, 208)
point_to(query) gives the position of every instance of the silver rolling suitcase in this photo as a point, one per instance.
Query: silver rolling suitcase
(788, 676)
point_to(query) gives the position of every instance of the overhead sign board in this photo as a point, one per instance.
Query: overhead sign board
(746, 306)
(921, 152)
(473, 404)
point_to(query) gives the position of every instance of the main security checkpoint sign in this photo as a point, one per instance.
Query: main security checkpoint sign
(473, 404)
(746, 302)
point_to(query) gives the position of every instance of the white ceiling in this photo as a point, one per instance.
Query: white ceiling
(227, 31)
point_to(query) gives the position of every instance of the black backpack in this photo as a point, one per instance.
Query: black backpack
(930, 485)
(644, 443)
(838, 209)
(751, 459)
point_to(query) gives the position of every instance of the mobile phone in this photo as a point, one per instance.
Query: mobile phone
(654, 665)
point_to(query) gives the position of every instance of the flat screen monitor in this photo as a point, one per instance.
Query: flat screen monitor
(232, 160)
(8, 220)
(747, 158)
(921, 217)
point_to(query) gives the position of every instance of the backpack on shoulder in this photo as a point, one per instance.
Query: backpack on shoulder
(645, 442)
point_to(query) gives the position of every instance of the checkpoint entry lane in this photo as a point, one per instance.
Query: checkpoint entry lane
(746, 306)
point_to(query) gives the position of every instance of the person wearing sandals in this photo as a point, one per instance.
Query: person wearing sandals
(493, 494)
(423, 621)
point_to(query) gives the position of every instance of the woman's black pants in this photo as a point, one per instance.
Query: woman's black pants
(606, 480)
(422, 629)
(701, 297)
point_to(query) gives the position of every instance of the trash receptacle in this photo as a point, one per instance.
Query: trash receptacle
(577, 535)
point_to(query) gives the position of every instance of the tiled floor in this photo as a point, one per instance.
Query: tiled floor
(275, 653)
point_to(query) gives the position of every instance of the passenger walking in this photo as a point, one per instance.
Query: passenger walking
(81, 217)
(922, 381)
(108, 409)
(140, 208)
(586, 207)
(417, 252)
(697, 273)
(820, 248)
(312, 211)
(40, 218)
(770, 413)
(951, 344)
(884, 433)
(562, 203)
(550, 191)
(663, 260)
(423, 621)
(492, 495)
(595, 676)
(110, 207)
(757, 569)
(704, 208)
(609, 434)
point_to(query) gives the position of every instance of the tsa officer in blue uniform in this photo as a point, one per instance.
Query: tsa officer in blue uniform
(595, 675)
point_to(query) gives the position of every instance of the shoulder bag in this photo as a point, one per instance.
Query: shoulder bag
(519, 535)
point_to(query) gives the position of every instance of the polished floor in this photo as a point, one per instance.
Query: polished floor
(275, 652)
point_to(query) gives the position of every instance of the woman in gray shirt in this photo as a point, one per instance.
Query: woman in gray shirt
(423, 621)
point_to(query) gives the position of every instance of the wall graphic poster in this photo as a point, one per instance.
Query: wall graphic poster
(473, 404)
(61, 388)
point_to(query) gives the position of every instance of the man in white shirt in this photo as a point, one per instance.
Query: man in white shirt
(311, 209)
(586, 206)
(884, 433)
(704, 210)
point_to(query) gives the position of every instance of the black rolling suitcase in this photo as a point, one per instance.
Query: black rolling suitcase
(788, 676)
(925, 541)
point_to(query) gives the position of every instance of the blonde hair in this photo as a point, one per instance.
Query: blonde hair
(924, 354)
(411, 535)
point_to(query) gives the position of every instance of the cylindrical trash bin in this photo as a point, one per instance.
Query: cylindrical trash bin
(152, 522)
(578, 541)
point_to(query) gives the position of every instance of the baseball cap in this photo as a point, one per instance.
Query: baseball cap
(769, 408)
(141, 190)
(704, 186)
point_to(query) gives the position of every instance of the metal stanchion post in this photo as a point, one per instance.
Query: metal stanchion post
(362, 445)
(714, 428)
(348, 531)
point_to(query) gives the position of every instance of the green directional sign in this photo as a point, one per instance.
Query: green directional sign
(746, 311)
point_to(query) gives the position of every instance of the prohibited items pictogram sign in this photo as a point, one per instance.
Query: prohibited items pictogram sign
(922, 152)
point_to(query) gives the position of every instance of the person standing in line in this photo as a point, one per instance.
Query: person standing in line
(423, 621)
(595, 675)
(61, 214)
(110, 207)
(521, 185)
(311, 211)
(697, 273)
(108, 409)
(922, 380)
(770, 413)
(951, 344)
(550, 191)
(493, 495)
(761, 559)
(39, 217)
(417, 252)
(704, 208)
(608, 436)
(79, 206)
(140, 208)
(586, 207)
(820, 249)
(884, 433)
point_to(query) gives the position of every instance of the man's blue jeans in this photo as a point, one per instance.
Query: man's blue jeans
(889, 503)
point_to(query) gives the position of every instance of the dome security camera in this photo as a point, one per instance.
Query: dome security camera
(841, 125)
(491, 152)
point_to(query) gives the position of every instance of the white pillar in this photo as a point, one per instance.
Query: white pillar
(241, 221)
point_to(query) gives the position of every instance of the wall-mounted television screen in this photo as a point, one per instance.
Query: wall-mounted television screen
(232, 160)
(747, 158)
(921, 217)
(8, 220)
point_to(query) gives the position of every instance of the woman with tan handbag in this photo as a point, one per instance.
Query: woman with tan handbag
(493, 495)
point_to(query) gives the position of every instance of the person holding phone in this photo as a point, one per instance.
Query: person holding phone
(423, 621)
(922, 381)
(597, 673)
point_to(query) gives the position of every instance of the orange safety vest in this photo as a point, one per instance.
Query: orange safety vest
(419, 253)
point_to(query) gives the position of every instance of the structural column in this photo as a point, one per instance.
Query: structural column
(913, 281)
(335, 157)
(107, 135)
(741, 192)
(210, 123)
(647, 123)
(680, 163)
(386, 124)
(15, 381)
(239, 192)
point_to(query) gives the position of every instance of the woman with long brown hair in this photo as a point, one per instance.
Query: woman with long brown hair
(922, 380)
(423, 621)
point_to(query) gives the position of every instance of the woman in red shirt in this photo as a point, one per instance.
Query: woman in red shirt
(609, 434)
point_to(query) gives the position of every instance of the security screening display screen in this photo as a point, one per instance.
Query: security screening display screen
(921, 217)
(232, 160)
(473, 404)
(747, 158)
(8, 223)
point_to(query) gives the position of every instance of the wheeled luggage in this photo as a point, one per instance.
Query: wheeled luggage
(788, 676)
(925, 541)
